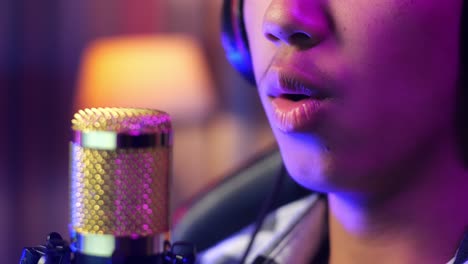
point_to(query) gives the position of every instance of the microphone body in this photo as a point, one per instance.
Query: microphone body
(119, 182)
(120, 166)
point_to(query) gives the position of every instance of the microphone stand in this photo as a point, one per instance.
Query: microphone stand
(57, 251)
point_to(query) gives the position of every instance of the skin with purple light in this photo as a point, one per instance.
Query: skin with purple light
(361, 97)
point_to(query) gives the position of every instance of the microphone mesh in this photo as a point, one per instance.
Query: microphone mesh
(122, 120)
(121, 192)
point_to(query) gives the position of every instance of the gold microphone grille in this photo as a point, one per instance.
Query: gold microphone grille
(120, 191)
(122, 120)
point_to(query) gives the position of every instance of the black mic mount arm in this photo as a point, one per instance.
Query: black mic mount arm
(57, 251)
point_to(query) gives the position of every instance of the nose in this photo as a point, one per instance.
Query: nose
(294, 22)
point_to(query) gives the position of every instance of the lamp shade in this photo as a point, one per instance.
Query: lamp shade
(164, 72)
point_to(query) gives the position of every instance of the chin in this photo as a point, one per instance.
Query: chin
(312, 164)
(307, 160)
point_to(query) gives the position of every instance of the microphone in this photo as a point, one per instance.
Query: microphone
(119, 185)
(120, 166)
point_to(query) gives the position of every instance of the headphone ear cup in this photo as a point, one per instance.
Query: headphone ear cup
(234, 38)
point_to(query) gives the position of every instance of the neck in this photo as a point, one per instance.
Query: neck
(421, 223)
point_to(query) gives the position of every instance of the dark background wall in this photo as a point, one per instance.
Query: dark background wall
(35, 100)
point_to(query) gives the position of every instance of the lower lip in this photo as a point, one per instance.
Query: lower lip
(294, 116)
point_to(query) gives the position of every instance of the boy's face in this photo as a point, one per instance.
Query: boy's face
(382, 75)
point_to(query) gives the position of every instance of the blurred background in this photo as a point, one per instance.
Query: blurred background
(59, 56)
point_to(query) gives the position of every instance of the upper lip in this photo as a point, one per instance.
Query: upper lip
(284, 83)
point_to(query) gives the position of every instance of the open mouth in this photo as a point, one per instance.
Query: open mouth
(300, 97)
(295, 90)
(297, 104)
(294, 97)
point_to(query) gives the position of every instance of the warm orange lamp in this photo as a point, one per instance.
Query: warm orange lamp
(164, 72)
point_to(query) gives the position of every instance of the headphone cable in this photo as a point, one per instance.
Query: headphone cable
(267, 204)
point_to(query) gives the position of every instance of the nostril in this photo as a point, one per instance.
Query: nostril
(271, 37)
(302, 39)
(299, 37)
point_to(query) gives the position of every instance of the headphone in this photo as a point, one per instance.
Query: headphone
(234, 38)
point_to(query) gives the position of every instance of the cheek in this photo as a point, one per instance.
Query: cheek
(397, 37)
(401, 58)
(399, 86)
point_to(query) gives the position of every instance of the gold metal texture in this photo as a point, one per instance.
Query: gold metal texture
(121, 192)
